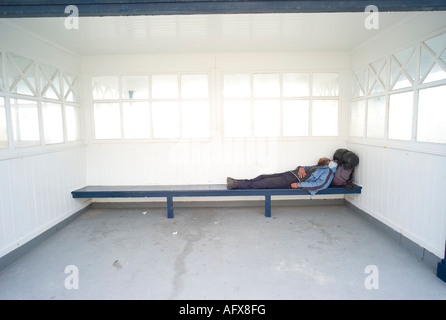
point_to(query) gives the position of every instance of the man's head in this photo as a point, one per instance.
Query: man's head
(323, 162)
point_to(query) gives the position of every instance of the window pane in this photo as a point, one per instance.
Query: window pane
(21, 75)
(105, 87)
(3, 126)
(71, 87)
(296, 115)
(432, 115)
(195, 119)
(237, 86)
(135, 87)
(166, 119)
(52, 122)
(50, 82)
(73, 123)
(164, 86)
(325, 117)
(357, 118)
(400, 116)
(266, 85)
(237, 118)
(107, 121)
(25, 121)
(194, 86)
(136, 118)
(267, 118)
(376, 113)
(325, 84)
(296, 85)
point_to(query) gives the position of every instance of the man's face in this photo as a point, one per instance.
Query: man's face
(323, 162)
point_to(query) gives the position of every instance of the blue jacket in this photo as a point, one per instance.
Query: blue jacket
(319, 179)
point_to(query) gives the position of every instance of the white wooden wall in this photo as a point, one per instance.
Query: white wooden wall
(403, 182)
(36, 182)
(35, 194)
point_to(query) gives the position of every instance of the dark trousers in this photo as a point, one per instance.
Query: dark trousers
(268, 181)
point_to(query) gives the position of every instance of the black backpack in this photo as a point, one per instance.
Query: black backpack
(347, 161)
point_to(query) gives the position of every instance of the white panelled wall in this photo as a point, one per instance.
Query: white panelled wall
(403, 181)
(36, 181)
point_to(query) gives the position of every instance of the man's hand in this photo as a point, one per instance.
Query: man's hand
(301, 173)
(294, 185)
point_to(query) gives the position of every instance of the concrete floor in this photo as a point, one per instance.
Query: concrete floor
(309, 252)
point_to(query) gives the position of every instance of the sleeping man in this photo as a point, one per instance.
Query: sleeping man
(310, 178)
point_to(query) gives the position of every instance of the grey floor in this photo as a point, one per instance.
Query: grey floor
(308, 252)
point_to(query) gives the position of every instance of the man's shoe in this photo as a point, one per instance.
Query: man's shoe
(231, 183)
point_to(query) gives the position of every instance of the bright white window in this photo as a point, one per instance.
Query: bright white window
(376, 117)
(357, 118)
(135, 87)
(237, 118)
(73, 123)
(325, 117)
(237, 86)
(296, 84)
(107, 120)
(267, 118)
(166, 119)
(195, 119)
(296, 118)
(25, 121)
(400, 116)
(105, 87)
(194, 86)
(266, 85)
(326, 84)
(52, 122)
(21, 75)
(136, 120)
(3, 126)
(164, 86)
(432, 115)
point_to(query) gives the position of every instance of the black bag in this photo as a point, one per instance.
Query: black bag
(347, 161)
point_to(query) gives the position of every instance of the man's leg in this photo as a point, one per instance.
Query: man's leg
(266, 181)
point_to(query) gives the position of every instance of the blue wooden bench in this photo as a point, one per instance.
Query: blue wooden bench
(216, 190)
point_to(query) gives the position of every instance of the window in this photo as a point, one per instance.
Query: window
(432, 115)
(376, 117)
(295, 117)
(357, 118)
(52, 122)
(406, 94)
(400, 116)
(3, 126)
(325, 117)
(136, 120)
(151, 106)
(166, 119)
(279, 105)
(73, 122)
(43, 101)
(25, 122)
(21, 75)
(107, 120)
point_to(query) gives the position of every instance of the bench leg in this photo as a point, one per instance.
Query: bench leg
(169, 207)
(268, 206)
